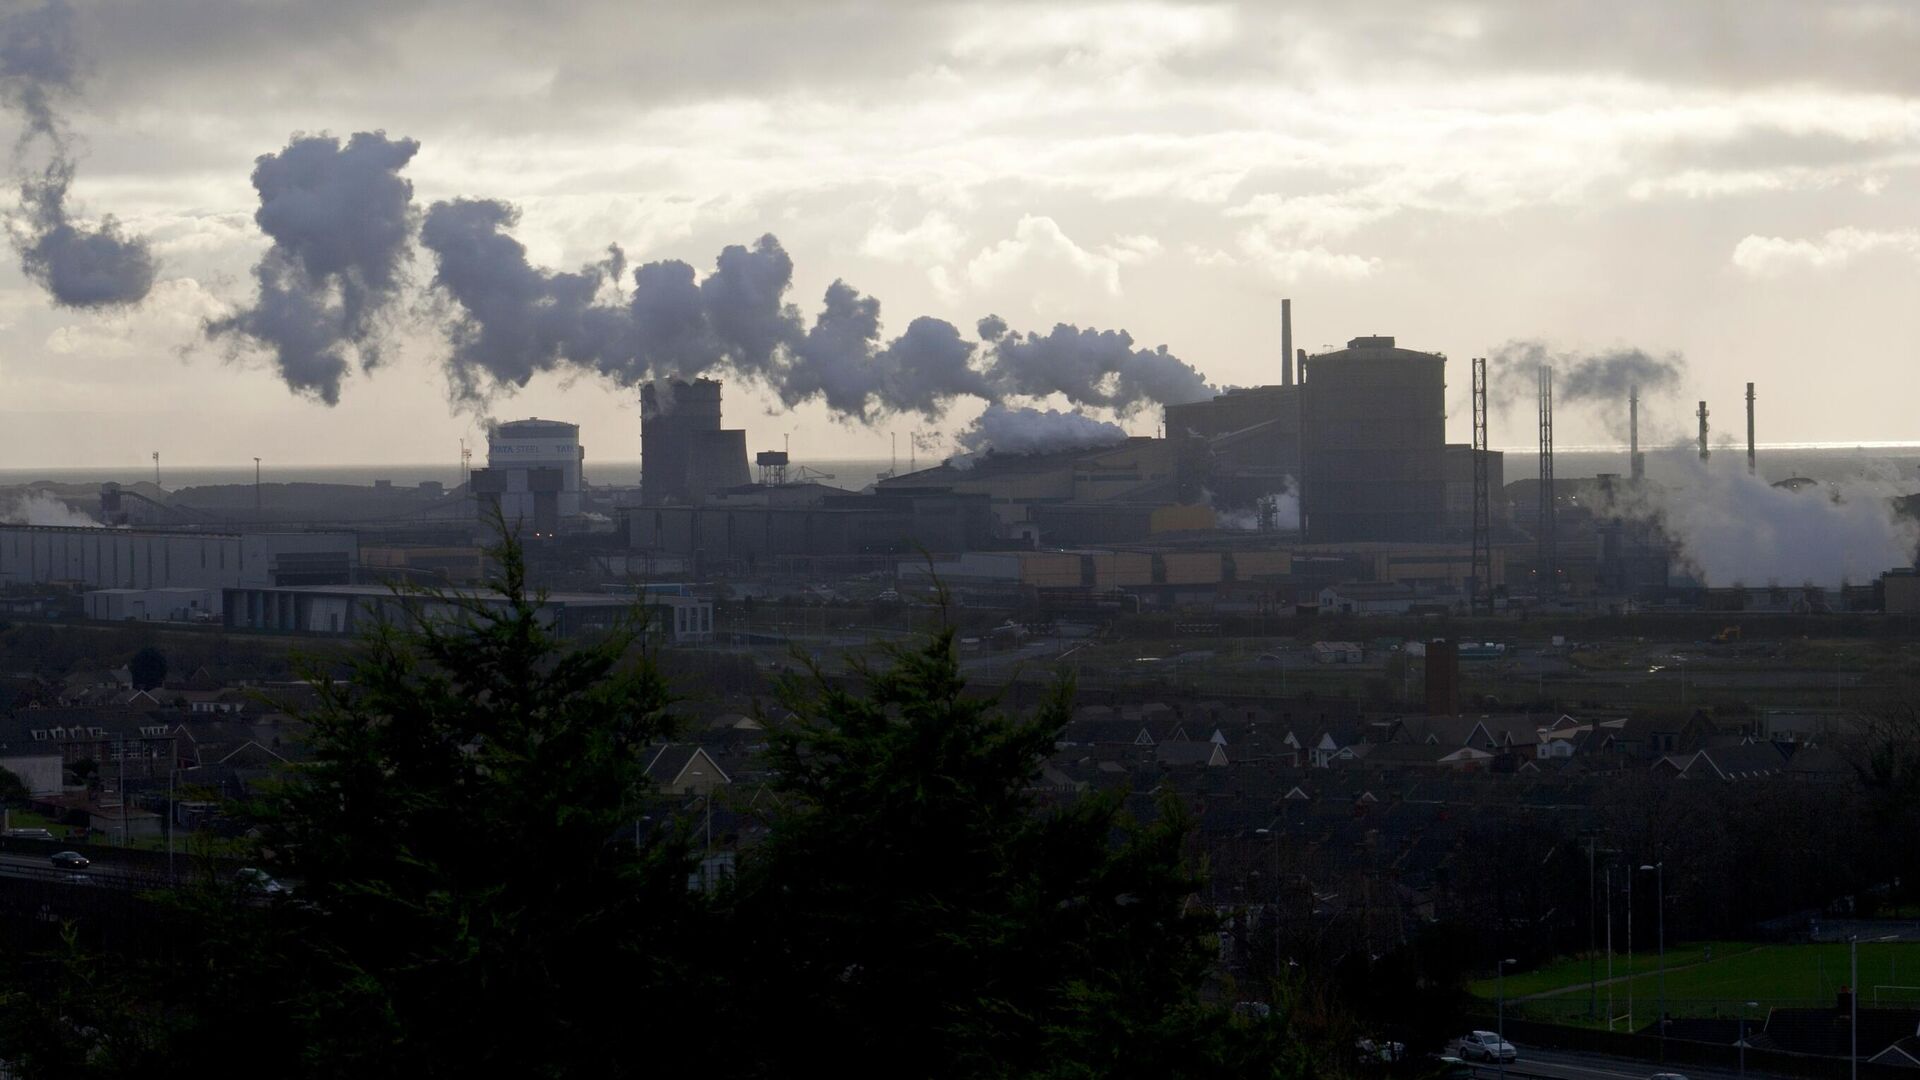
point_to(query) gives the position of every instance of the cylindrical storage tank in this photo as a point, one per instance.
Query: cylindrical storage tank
(1376, 433)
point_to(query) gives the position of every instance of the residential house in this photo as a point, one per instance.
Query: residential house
(685, 769)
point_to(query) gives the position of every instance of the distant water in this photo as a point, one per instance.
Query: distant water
(852, 474)
(1896, 463)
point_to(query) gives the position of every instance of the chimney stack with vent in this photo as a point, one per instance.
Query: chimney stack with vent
(1636, 465)
(1286, 342)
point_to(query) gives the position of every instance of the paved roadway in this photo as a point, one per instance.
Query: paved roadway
(36, 867)
(1550, 1065)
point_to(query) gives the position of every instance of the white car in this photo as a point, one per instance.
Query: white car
(1486, 1046)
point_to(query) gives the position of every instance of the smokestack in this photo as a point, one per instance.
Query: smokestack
(1750, 462)
(1636, 465)
(1286, 342)
(1702, 414)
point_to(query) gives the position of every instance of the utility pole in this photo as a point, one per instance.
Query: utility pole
(1482, 599)
(1549, 556)
(120, 748)
(1593, 989)
(1660, 878)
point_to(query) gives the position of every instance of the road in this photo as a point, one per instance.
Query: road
(36, 867)
(1550, 1065)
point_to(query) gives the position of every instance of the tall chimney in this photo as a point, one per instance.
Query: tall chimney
(1702, 414)
(1750, 463)
(1286, 342)
(1636, 465)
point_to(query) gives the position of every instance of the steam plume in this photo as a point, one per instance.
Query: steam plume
(1088, 367)
(1019, 430)
(1581, 378)
(841, 361)
(341, 220)
(80, 266)
(41, 508)
(512, 320)
(1735, 528)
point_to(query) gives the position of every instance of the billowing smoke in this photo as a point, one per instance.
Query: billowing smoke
(40, 508)
(1594, 382)
(513, 320)
(83, 266)
(1279, 511)
(1735, 528)
(1088, 367)
(80, 266)
(341, 219)
(1002, 429)
(840, 360)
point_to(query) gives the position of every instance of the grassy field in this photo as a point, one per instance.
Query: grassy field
(1772, 975)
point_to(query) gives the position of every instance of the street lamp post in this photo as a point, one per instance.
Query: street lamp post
(1853, 1001)
(1743, 1036)
(1501, 1025)
(1660, 879)
(1273, 886)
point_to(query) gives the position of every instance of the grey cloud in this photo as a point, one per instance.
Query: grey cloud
(341, 220)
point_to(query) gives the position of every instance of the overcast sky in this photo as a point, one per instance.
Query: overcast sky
(1738, 182)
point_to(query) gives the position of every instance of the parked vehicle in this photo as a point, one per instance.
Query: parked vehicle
(29, 834)
(1448, 1067)
(1487, 1046)
(259, 882)
(70, 860)
(1380, 1051)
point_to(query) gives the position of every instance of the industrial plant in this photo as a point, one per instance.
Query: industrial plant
(1332, 488)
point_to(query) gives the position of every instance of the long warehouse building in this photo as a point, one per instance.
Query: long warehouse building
(104, 558)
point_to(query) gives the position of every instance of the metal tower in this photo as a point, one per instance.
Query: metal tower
(1549, 571)
(1482, 517)
(1750, 461)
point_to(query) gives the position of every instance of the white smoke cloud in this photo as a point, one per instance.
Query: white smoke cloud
(1734, 528)
(40, 508)
(1020, 430)
(1284, 510)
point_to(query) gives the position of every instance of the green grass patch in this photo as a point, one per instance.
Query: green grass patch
(1772, 975)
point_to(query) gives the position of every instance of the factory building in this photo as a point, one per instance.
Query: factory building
(1142, 474)
(139, 559)
(1458, 468)
(1361, 437)
(1375, 436)
(751, 525)
(1253, 443)
(685, 455)
(349, 609)
(533, 472)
